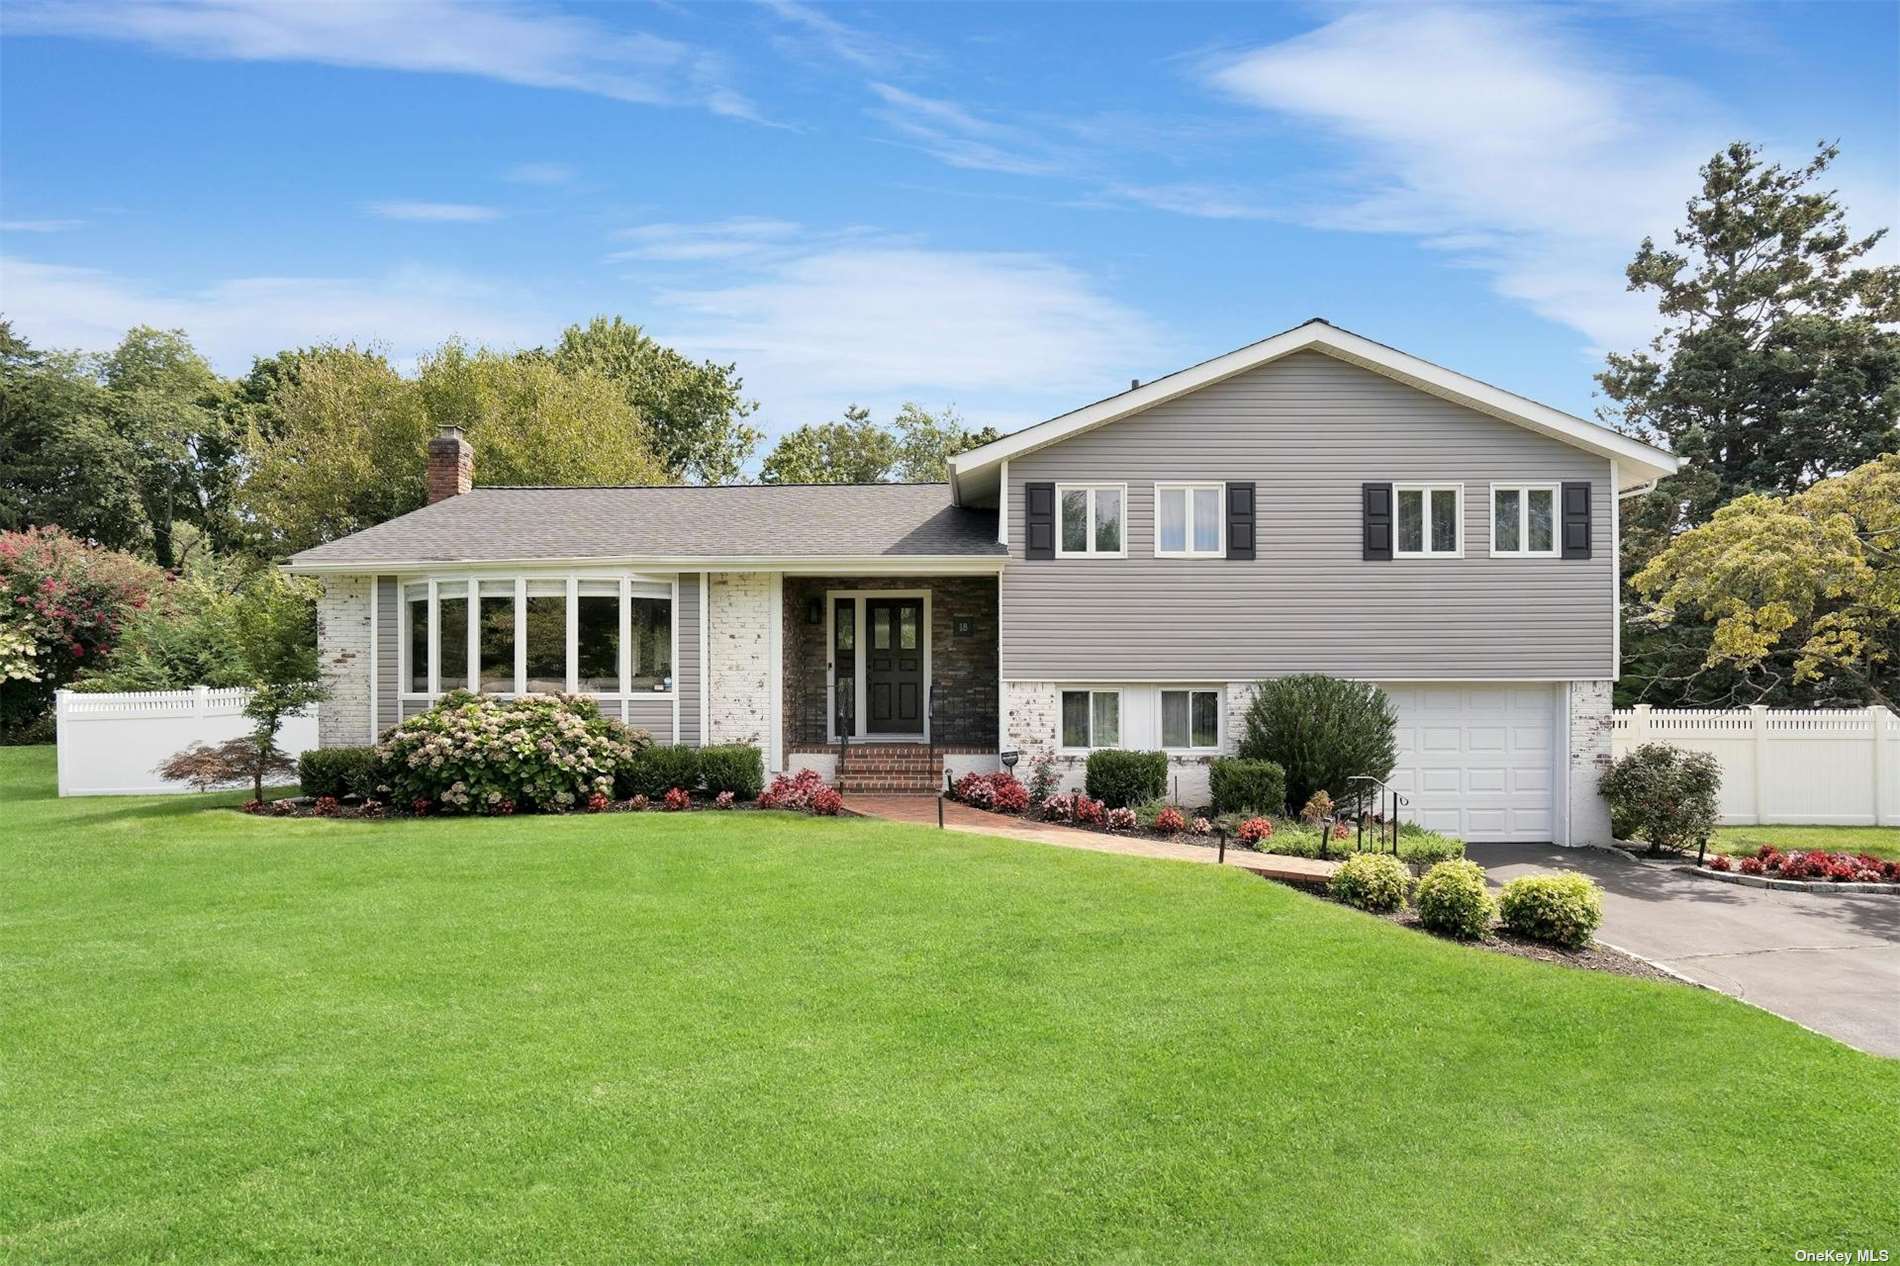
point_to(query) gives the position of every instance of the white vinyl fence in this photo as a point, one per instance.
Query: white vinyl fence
(1832, 766)
(112, 745)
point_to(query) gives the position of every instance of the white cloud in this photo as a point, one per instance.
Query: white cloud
(1011, 337)
(1498, 135)
(851, 44)
(38, 226)
(1205, 202)
(407, 311)
(513, 43)
(539, 174)
(433, 212)
(692, 243)
(962, 138)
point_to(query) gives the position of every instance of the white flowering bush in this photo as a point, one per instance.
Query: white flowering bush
(476, 754)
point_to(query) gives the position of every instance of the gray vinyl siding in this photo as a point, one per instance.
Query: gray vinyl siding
(1308, 430)
(655, 716)
(686, 665)
(388, 654)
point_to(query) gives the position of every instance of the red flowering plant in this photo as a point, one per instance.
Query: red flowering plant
(1121, 819)
(1718, 861)
(723, 800)
(62, 606)
(1170, 820)
(1254, 830)
(1752, 866)
(597, 803)
(1000, 792)
(826, 802)
(677, 798)
(327, 806)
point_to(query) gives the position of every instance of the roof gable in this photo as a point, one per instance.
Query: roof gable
(976, 473)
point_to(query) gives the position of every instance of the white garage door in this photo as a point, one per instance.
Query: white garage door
(1478, 761)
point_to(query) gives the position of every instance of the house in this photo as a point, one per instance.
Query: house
(1116, 576)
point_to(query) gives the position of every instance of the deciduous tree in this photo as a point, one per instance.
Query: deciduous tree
(1805, 586)
(854, 451)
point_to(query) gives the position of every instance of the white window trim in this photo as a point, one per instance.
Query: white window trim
(1188, 489)
(1091, 488)
(571, 580)
(1524, 520)
(1121, 718)
(1220, 719)
(1458, 520)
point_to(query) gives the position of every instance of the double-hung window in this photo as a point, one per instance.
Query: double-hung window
(1188, 521)
(1524, 520)
(1091, 520)
(1190, 720)
(1091, 718)
(1429, 520)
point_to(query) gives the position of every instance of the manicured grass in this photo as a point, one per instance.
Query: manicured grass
(1881, 841)
(757, 1037)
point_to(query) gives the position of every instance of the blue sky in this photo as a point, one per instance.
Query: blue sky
(1012, 208)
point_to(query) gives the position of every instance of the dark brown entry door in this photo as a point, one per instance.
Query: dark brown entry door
(894, 665)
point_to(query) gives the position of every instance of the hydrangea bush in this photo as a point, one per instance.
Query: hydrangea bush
(480, 754)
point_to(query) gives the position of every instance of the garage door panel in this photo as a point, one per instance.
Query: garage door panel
(1482, 780)
(1478, 761)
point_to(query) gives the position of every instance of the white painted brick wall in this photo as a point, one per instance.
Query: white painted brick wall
(343, 652)
(1591, 727)
(1032, 712)
(738, 653)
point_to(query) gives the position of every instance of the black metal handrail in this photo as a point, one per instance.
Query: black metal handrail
(1377, 797)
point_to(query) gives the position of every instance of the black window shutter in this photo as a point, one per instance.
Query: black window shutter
(1039, 520)
(1576, 520)
(1375, 503)
(1240, 520)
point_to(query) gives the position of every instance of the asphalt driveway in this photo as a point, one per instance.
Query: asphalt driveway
(1831, 962)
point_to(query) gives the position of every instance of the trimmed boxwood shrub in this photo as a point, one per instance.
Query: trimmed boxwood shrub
(734, 767)
(1121, 779)
(1371, 881)
(1561, 909)
(1246, 786)
(1664, 795)
(481, 754)
(657, 770)
(338, 771)
(1322, 731)
(1452, 899)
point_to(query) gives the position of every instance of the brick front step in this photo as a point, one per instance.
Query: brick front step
(890, 767)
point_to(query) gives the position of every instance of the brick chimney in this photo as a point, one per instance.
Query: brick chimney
(451, 465)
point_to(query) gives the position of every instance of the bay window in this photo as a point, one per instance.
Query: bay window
(600, 635)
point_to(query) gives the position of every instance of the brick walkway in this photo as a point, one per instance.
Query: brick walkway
(922, 810)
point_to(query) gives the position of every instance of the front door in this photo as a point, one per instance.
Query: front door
(894, 665)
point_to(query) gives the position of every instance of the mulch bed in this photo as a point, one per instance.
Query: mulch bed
(1594, 957)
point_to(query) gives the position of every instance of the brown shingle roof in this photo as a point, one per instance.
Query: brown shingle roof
(740, 521)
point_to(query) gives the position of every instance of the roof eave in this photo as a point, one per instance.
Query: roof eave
(895, 564)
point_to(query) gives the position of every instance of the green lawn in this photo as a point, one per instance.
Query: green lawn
(755, 1037)
(1881, 841)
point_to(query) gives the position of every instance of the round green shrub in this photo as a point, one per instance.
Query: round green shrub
(480, 754)
(1452, 899)
(1663, 794)
(1371, 881)
(1122, 779)
(734, 767)
(338, 771)
(1561, 909)
(1246, 786)
(1322, 731)
(658, 769)
(1424, 849)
